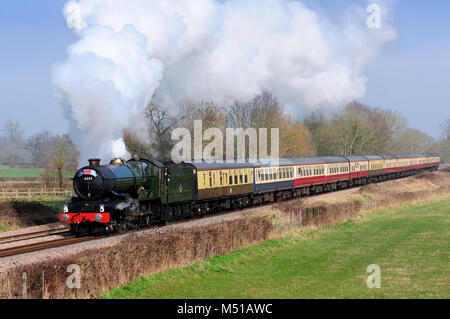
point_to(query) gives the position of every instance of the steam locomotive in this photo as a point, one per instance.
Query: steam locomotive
(142, 192)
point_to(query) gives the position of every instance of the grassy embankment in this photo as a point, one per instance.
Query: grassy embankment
(54, 203)
(19, 214)
(411, 244)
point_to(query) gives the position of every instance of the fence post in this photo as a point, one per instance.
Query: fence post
(43, 284)
(9, 289)
(24, 291)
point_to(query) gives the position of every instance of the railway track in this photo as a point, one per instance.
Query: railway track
(60, 242)
(43, 245)
(33, 235)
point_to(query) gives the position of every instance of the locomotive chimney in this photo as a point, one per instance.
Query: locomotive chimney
(94, 162)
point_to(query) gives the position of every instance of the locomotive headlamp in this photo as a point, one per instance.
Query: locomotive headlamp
(98, 218)
(102, 208)
(65, 218)
(66, 209)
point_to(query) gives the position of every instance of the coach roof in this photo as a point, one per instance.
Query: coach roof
(356, 158)
(389, 156)
(373, 157)
(334, 159)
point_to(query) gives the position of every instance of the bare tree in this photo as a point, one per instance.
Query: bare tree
(14, 140)
(37, 145)
(135, 146)
(445, 129)
(414, 141)
(265, 111)
(62, 154)
(161, 125)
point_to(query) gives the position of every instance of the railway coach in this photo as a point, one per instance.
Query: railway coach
(310, 175)
(273, 182)
(359, 169)
(337, 172)
(223, 185)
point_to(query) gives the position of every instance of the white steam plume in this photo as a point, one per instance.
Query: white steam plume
(206, 49)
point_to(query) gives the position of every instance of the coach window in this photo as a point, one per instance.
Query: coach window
(231, 180)
(235, 179)
(210, 179)
(246, 179)
(241, 179)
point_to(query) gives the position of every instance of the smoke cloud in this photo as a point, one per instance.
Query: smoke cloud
(222, 51)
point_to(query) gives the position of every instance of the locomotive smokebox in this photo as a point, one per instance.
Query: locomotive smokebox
(94, 162)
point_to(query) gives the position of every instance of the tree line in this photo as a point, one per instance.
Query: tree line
(53, 152)
(358, 129)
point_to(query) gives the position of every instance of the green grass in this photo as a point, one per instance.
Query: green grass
(411, 245)
(6, 171)
(4, 227)
(20, 172)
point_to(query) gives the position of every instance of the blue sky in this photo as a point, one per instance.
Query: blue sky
(410, 75)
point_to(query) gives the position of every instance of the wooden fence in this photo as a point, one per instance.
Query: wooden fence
(41, 193)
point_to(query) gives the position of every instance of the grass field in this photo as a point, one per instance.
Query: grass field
(20, 172)
(6, 171)
(411, 244)
(4, 227)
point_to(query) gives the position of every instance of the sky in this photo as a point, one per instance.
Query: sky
(410, 75)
